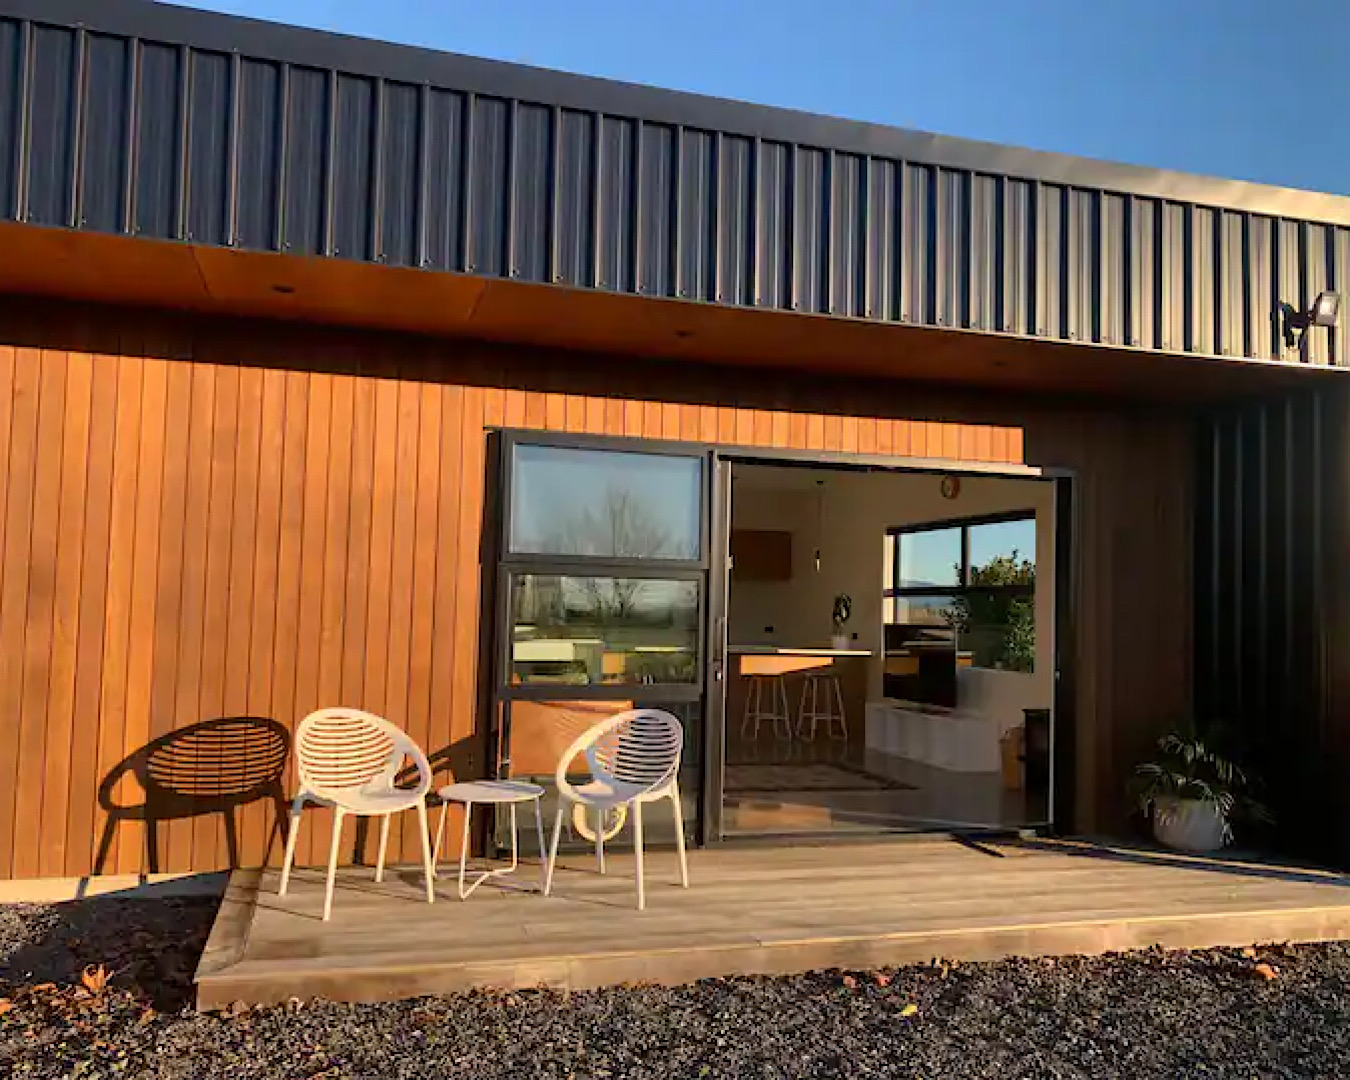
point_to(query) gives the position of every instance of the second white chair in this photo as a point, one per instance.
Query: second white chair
(634, 758)
(350, 760)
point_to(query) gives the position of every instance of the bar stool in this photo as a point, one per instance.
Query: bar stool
(810, 710)
(492, 793)
(778, 712)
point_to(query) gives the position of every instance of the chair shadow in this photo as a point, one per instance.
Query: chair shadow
(212, 767)
(1233, 865)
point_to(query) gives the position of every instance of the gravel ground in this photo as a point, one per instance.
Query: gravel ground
(1269, 1012)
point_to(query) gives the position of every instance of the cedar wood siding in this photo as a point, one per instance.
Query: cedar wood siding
(214, 519)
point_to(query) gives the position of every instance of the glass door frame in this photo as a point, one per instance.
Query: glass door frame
(713, 566)
(509, 564)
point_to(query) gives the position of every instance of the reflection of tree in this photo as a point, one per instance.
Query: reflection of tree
(621, 525)
(1001, 604)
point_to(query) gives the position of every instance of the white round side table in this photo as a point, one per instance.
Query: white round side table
(496, 793)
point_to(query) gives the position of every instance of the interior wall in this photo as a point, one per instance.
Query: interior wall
(856, 509)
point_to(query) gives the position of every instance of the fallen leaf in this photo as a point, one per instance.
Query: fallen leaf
(95, 979)
(1266, 971)
(1249, 953)
(5, 1005)
(881, 979)
(909, 1010)
(849, 981)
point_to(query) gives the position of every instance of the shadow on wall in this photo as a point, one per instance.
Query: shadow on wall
(214, 767)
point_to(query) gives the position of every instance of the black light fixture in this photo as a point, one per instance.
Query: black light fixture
(1325, 310)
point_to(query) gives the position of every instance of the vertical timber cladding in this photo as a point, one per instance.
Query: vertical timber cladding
(203, 519)
(1272, 616)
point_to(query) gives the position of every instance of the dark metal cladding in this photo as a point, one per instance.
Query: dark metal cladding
(1269, 578)
(127, 116)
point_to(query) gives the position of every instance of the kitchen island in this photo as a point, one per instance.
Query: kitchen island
(791, 664)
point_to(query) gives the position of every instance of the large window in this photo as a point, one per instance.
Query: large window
(976, 576)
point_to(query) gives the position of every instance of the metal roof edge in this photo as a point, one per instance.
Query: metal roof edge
(412, 64)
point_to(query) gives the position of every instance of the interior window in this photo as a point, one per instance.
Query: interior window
(977, 578)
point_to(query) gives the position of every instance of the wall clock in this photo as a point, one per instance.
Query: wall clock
(951, 487)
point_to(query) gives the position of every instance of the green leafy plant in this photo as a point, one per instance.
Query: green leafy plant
(1187, 766)
(1000, 612)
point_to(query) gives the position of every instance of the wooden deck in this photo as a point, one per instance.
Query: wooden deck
(749, 911)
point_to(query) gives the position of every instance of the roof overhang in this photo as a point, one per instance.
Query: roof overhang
(120, 270)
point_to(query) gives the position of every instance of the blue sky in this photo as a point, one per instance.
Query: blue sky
(1227, 87)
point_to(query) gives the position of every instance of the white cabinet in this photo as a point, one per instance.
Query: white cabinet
(943, 739)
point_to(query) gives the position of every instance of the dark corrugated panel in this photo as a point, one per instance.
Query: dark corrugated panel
(488, 170)
(352, 147)
(1142, 255)
(52, 127)
(159, 175)
(1340, 281)
(656, 187)
(1316, 276)
(617, 173)
(208, 142)
(1200, 240)
(1270, 475)
(735, 221)
(400, 146)
(773, 226)
(442, 186)
(104, 148)
(261, 112)
(881, 290)
(696, 251)
(809, 224)
(1050, 260)
(916, 244)
(574, 195)
(1111, 291)
(1019, 286)
(987, 271)
(1082, 270)
(532, 185)
(847, 231)
(949, 254)
(219, 147)
(13, 71)
(1259, 290)
(305, 156)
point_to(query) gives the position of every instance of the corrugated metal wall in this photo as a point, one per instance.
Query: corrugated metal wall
(130, 135)
(1272, 532)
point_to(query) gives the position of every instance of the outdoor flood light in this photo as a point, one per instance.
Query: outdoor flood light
(1325, 311)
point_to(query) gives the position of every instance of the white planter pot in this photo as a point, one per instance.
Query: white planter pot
(1188, 825)
(840, 641)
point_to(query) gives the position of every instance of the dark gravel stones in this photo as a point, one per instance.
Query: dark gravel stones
(1269, 1012)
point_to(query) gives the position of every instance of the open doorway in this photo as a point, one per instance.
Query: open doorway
(890, 650)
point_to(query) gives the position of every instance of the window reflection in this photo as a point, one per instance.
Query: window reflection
(605, 504)
(594, 631)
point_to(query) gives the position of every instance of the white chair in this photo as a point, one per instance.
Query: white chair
(350, 760)
(634, 758)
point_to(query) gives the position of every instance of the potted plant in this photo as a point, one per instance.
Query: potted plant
(1192, 793)
(843, 611)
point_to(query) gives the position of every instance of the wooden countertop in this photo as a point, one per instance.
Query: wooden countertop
(786, 650)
